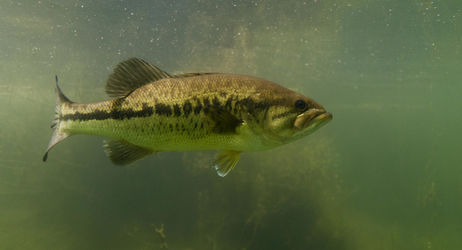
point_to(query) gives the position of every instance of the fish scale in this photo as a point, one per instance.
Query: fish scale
(153, 111)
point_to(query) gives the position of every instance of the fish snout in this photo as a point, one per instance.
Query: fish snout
(312, 117)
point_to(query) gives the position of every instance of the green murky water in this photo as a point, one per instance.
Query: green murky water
(384, 174)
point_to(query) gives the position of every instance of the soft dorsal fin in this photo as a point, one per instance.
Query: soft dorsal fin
(130, 75)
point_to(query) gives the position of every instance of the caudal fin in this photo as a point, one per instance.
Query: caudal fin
(58, 135)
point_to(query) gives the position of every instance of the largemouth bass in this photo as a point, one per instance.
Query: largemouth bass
(153, 111)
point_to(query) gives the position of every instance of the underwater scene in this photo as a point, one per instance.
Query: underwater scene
(384, 173)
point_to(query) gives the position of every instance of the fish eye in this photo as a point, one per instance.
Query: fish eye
(300, 104)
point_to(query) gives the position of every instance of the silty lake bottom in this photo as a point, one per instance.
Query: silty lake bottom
(383, 174)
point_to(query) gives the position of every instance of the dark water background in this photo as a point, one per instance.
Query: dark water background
(384, 174)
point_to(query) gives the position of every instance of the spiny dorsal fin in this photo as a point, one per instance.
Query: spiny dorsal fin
(130, 75)
(225, 161)
(123, 153)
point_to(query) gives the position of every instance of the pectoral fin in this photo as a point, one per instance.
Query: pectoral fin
(123, 153)
(224, 122)
(225, 161)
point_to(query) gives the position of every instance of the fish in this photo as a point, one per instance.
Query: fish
(152, 111)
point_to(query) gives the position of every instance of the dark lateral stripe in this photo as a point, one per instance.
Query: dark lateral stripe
(167, 110)
(206, 105)
(198, 107)
(176, 110)
(187, 107)
(228, 104)
(114, 114)
(163, 109)
(216, 102)
(253, 106)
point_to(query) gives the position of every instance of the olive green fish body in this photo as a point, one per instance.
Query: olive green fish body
(153, 111)
(176, 114)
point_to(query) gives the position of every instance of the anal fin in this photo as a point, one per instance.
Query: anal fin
(225, 161)
(123, 153)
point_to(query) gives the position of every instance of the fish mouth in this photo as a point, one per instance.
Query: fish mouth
(312, 119)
